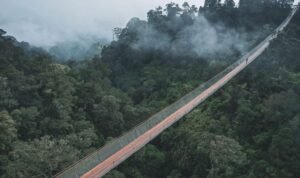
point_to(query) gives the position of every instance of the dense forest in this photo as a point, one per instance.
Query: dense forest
(55, 111)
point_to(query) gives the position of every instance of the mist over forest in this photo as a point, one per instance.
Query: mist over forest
(65, 98)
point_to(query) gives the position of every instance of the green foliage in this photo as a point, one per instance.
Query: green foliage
(8, 134)
(6, 98)
(229, 3)
(107, 117)
(7, 131)
(115, 174)
(27, 120)
(28, 159)
(148, 159)
(225, 156)
(212, 4)
(54, 113)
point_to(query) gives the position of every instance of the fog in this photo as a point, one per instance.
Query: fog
(49, 22)
(202, 39)
(46, 23)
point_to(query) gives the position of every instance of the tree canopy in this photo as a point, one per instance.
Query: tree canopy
(54, 112)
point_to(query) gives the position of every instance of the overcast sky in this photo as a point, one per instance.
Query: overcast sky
(46, 22)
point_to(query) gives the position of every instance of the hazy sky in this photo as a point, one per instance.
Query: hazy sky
(46, 22)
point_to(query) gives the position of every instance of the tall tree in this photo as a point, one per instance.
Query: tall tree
(8, 131)
(6, 98)
(250, 4)
(229, 3)
(27, 121)
(172, 10)
(212, 4)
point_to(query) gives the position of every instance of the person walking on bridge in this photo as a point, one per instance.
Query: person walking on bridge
(247, 60)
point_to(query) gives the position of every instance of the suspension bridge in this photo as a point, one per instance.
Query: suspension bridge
(114, 153)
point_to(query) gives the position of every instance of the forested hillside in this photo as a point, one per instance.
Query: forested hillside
(249, 129)
(54, 112)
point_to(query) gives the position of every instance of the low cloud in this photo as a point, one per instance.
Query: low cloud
(201, 39)
(46, 23)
